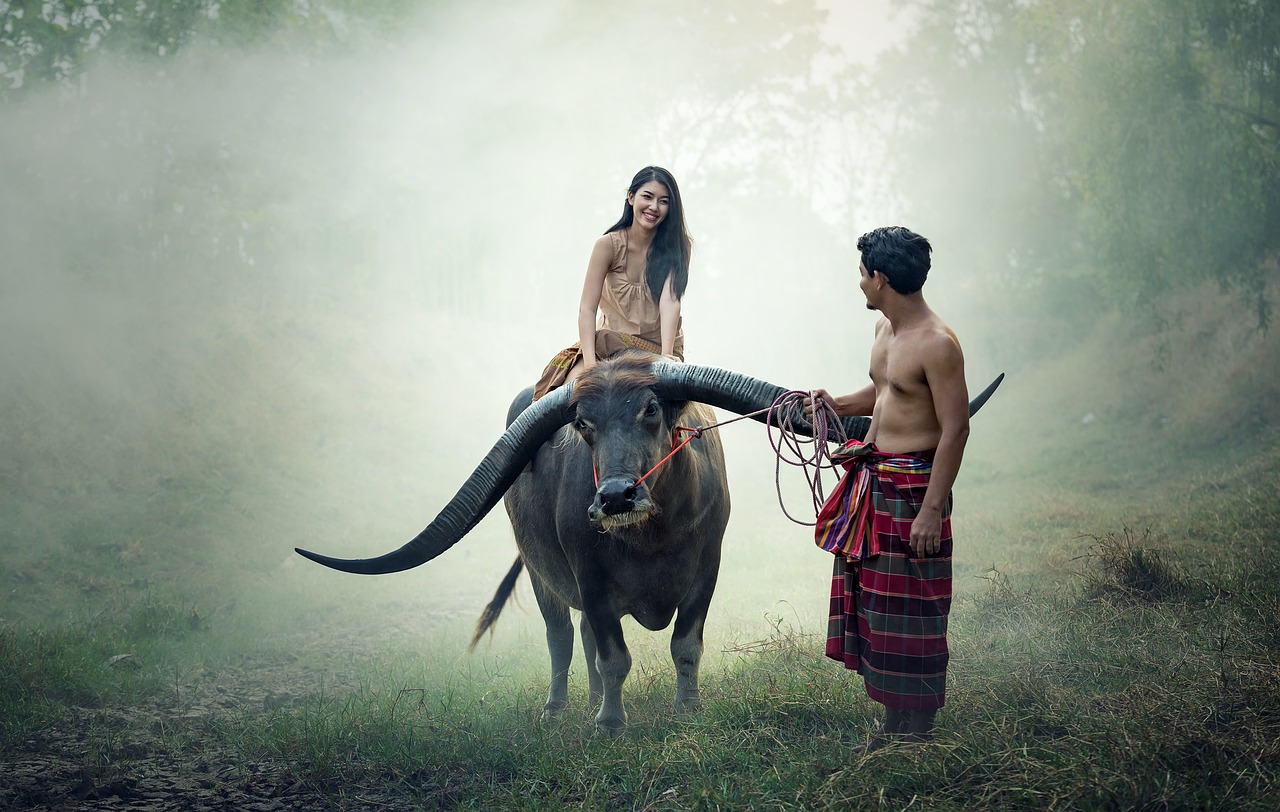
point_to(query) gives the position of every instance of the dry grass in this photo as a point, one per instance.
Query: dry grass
(1126, 567)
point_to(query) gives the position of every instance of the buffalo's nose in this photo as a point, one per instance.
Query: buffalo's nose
(616, 495)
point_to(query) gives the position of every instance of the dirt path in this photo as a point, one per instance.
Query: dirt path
(166, 752)
(159, 754)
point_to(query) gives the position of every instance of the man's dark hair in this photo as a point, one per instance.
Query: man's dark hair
(899, 253)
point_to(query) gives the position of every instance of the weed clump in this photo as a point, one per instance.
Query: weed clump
(1128, 568)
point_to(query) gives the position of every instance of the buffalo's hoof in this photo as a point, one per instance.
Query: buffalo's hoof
(611, 727)
(687, 705)
(552, 710)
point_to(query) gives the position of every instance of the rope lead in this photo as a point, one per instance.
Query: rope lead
(786, 406)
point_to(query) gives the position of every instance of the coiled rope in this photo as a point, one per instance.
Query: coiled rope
(809, 454)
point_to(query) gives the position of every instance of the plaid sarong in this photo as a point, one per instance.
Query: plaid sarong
(888, 610)
(608, 342)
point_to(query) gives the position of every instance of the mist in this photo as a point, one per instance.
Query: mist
(260, 294)
(256, 297)
(271, 274)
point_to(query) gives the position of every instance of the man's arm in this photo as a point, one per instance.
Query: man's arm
(944, 371)
(857, 404)
(854, 404)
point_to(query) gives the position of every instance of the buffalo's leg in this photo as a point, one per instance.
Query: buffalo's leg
(686, 647)
(595, 686)
(613, 661)
(686, 653)
(559, 645)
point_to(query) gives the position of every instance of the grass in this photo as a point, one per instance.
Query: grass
(124, 654)
(1101, 693)
(1128, 568)
(1065, 701)
(1115, 642)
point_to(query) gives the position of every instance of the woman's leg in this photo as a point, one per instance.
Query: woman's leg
(574, 371)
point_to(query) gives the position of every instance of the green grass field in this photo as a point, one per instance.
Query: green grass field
(1115, 636)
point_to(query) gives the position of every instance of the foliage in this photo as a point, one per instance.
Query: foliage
(1133, 569)
(1127, 147)
(1165, 118)
(172, 434)
(43, 43)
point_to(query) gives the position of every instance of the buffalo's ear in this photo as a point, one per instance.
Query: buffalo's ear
(671, 411)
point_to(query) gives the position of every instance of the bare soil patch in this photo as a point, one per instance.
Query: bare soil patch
(162, 753)
(170, 751)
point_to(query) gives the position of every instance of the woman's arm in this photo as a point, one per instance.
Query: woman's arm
(592, 287)
(668, 317)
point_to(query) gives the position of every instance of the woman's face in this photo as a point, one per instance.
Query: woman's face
(650, 204)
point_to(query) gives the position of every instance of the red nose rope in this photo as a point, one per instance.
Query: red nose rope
(789, 439)
(693, 433)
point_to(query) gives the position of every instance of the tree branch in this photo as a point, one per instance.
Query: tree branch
(1249, 114)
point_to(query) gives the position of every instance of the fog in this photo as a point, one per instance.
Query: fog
(256, 298)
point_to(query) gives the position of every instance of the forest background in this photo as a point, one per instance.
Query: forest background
(270, 273)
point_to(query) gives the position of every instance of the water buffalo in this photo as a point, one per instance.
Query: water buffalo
(601, 526)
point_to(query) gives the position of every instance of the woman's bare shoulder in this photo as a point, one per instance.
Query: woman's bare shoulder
(603, 246)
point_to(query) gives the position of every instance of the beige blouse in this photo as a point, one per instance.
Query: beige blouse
(625, 303)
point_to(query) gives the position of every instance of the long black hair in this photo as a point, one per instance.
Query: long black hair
(669, 252)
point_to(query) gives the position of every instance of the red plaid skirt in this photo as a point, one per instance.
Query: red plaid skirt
(888, 610)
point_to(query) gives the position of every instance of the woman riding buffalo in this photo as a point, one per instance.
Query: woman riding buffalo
(635, 280)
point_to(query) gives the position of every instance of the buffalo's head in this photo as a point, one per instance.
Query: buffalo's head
(630, 430)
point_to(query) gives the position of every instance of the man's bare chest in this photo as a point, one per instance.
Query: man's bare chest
(896, 369)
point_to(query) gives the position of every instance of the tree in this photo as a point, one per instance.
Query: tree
(1128, 148)
(1163, 121)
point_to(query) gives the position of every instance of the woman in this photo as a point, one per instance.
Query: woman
(635, 279)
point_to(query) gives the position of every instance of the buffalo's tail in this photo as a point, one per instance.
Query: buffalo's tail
(490, 614)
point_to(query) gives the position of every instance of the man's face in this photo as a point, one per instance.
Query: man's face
(868, 285)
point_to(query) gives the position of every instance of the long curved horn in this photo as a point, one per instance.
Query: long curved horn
(477, 496)
(742, 394)
(737, 393)
(721, 388)
(985, 395)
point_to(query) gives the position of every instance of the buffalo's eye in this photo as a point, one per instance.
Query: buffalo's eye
(651, 409)
(580, 424)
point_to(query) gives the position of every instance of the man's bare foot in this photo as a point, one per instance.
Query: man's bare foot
(874, 742)
(920, 725)
(878, 740)
(899, 727)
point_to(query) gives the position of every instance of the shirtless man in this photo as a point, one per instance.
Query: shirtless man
(891, 589)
